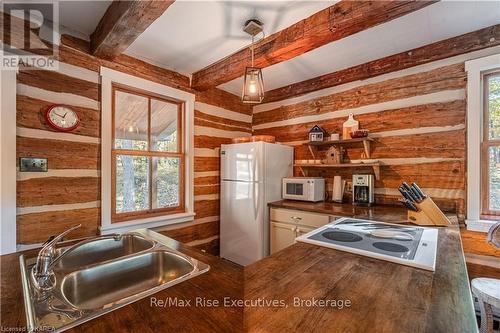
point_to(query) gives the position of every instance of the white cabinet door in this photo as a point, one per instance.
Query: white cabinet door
(282, 235)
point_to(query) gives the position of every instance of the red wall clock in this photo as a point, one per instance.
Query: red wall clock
(62, 118)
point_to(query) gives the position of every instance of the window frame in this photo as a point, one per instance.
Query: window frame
(150, 154)
(486, 143)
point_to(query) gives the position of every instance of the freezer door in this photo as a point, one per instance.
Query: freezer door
(242, 222)
(242, 161)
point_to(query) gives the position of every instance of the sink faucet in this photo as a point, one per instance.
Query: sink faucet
(41, 273)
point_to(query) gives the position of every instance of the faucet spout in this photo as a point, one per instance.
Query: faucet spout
(42, 271)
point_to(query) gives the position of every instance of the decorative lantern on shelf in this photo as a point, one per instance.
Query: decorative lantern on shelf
(253, 83)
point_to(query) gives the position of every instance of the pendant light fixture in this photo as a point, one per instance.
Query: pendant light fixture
(253, 84)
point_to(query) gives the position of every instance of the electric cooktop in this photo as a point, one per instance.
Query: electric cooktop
(407, 245)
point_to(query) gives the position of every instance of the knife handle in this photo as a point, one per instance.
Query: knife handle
(406, 195)
(406, 186)
(418, 190)
(410, 205)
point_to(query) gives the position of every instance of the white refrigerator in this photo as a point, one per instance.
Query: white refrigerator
(251, 176)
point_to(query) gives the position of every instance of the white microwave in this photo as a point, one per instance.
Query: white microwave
(304, 188)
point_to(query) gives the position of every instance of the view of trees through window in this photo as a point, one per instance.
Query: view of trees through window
(147, 153)
(493, 140)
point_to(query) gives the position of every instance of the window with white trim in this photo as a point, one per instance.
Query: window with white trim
(490, 146)
(159, 189)
(147, 155)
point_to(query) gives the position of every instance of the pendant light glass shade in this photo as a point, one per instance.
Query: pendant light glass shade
(253, 86)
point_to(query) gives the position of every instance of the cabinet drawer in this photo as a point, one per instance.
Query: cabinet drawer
(299, 217)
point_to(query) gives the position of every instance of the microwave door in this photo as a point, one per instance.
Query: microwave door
(295, 190)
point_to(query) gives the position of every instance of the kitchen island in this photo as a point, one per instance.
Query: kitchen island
(359, 294)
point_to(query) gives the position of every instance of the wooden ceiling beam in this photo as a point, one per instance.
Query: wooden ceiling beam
(122, 23)
(446, 48)
(343, 19)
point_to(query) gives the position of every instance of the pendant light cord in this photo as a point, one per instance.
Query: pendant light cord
(252, 47)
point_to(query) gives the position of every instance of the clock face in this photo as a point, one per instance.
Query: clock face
(62, 118)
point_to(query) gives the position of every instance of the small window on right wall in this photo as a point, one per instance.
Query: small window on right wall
(490, 150)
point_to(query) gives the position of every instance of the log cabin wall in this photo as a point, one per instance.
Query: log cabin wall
(416, 116)
(69, 193)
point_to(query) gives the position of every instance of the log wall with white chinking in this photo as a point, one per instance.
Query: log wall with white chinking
(415, 115)
(69, 193)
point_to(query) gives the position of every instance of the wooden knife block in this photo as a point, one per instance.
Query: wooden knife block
(428, 214)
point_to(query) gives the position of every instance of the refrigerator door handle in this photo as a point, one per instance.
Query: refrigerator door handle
(255, 200)
(254, 166)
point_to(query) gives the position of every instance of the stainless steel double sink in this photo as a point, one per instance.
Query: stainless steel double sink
(102, 274)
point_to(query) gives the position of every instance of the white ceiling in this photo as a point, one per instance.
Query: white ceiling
(193, 34)
(433, 23)
(80, 16)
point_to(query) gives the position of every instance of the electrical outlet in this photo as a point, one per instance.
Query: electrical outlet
(31, 164)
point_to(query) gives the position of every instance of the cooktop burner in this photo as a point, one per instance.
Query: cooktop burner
(385, 239)
(391, 247)
(404, 244)
(342, 236)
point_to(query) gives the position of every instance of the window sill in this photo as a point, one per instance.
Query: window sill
(479, 225)
(152, 222)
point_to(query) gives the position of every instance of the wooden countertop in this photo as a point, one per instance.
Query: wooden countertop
(384, 296)
(384, 213)
(223, 280)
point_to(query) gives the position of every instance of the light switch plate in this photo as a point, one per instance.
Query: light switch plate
(32, 164)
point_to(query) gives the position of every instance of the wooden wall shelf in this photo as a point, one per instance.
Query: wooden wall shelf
(337, 142)
(351, 142)
(374, 165)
